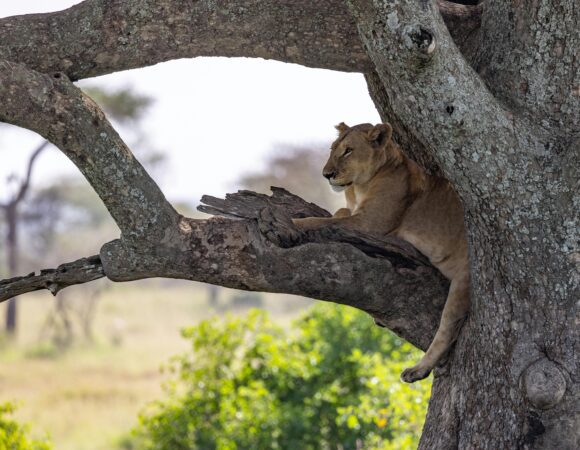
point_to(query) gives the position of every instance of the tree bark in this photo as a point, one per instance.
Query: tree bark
(81, 271)
(97, 37)
(528, 57)
(490, 98)
(513, 375)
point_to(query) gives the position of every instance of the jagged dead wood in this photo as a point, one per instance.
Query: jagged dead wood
(274, 213)
(77, 272)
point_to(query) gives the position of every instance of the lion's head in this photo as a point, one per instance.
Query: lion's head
(358, 153)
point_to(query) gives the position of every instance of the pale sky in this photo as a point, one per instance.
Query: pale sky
(214, 118)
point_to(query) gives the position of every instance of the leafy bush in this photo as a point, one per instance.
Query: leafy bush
(331, 381)
(13, 436)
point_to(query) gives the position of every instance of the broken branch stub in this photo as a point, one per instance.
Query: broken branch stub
(77, 272)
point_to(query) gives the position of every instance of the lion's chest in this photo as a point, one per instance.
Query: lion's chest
(355, 196)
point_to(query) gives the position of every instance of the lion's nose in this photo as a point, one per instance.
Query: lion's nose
(329, 174)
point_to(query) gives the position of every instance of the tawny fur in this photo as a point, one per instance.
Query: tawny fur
(389, 194)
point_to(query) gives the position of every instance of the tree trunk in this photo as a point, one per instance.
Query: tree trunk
(512, 379)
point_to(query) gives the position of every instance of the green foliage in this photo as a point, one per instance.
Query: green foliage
(331, 381)
(13, 436)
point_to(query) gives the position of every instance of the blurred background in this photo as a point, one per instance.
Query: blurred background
(82, 369)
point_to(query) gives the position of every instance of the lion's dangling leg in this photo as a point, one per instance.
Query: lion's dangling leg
(454, 312)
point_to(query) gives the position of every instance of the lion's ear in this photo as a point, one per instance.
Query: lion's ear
(380, 134)
(342, 127)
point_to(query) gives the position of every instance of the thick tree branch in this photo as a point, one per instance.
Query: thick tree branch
(57, 110)
(261, 250)
(97, 37)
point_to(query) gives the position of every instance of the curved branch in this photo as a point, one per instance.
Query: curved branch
(97, 37)
(265, 252)
(60, 112)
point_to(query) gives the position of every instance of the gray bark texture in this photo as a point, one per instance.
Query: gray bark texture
(487, 96)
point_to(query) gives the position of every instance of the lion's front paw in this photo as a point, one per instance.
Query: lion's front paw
(415, 373)
(275, 225)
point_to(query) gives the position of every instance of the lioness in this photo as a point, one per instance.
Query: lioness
(389, 194)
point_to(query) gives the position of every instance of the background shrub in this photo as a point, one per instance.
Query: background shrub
(330, 381)
(14, 436)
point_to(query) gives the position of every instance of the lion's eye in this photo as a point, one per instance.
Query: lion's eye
(347, 152)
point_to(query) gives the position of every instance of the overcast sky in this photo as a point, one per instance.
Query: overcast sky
(214, 118)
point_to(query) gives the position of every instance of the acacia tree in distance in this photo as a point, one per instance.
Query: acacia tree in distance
(487, 95)
(11, 216)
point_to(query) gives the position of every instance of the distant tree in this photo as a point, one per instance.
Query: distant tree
(10, 209)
